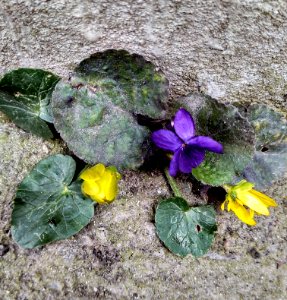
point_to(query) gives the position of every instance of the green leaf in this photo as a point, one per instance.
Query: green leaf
(25, 96)
(223, 123)
(95, 110)
(185, 230)
(48, 207)
(270, 159)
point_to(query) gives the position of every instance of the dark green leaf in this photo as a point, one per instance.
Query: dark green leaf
(185, 230)
(25, 96)
(270, 160)
(95, 110)
(48, 207)
(224, 124)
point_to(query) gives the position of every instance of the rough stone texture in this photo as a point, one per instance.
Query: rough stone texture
(232, 50)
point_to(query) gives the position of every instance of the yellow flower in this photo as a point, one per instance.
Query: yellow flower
(244, 201)
(100, 183)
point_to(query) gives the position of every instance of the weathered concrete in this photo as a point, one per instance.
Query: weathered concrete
(232, 50)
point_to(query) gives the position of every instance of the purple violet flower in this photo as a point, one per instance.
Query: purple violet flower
(189, 149)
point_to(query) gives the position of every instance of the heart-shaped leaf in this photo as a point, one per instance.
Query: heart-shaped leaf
(183, 229)
(48, 207)
(270, 159)
(95, 109)
(25, 96)
(224, 124)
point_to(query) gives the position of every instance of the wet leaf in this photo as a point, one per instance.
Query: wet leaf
(185, 230)
(224, 124)
(95, 109)
(48, 205)
(25, 96)
(270, 159)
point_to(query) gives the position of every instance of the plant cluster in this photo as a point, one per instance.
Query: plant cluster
(113, 112)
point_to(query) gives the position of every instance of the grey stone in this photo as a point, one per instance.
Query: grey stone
(229, 49)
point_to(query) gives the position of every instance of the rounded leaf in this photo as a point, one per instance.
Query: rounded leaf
(48, 207)
(270, 159)
(95, 109)
(185, 230)
(25, 96)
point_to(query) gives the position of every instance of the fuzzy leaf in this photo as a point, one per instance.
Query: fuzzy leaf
(48, 207)
(270, 159)
(25, 96)
(185, 230)
(224, 124)
(95, 109)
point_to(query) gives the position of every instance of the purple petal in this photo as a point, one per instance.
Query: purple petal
(173, 167)
(184, 125)
(166, 139)
(190, 158)
(207, 143)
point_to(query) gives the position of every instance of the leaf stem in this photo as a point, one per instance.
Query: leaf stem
(172, 184)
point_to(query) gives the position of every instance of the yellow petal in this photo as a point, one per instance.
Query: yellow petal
(93, 173)
(223, 205)
(264, 198)
(87, 175)
(229, 200)
(243, 214)
(241, 182)
(239, 201)
(109, 185)
(243, 186)
(90, 188)
(98, 199)
(253, 202)
(101, 194)
(229, 206)
(100, 183)
(112, 192)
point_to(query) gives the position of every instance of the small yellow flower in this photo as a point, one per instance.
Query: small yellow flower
(100, 183)
(244, 201)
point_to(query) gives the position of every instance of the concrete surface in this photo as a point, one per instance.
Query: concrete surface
(231, 50)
